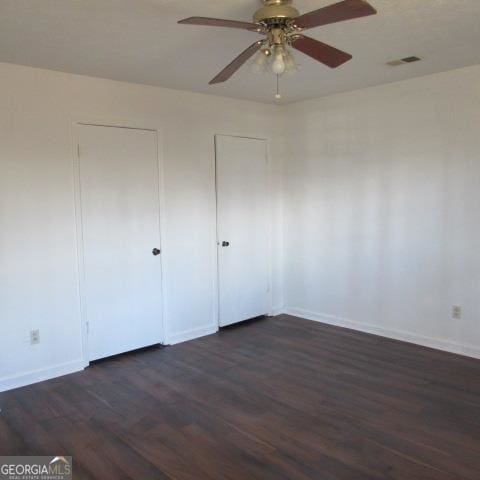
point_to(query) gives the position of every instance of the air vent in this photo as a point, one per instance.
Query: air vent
(403, 61)
(410, 59)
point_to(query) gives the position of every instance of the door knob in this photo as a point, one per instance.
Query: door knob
(156, 252)
(225, 244)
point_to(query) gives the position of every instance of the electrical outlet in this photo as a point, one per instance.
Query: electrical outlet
(456, 312)
(34, 337)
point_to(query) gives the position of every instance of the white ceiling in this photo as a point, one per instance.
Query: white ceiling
(139, 41)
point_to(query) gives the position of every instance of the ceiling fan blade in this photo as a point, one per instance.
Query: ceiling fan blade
(230, 69)
(218, 22)
(330, 56)
(345, 10)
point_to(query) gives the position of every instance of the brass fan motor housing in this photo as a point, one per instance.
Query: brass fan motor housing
(276, 10)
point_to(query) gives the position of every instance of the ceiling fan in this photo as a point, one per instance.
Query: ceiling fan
(282, 24)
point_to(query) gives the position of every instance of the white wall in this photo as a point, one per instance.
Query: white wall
(38, 261)
(380, 202)
(382, 209)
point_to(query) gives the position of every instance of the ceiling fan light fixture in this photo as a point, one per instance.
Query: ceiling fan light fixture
(277, 59)
(261, 61)
(278, 64)
(290, 65)
(284, 61)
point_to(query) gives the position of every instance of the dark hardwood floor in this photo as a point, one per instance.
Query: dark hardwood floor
(280, 398)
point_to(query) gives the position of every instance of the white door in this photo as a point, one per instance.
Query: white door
(120, 228)
(242, 205)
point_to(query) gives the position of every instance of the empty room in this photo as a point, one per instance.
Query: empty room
(240, 239)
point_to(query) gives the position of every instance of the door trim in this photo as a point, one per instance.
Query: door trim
(269, 225)
(75, 143)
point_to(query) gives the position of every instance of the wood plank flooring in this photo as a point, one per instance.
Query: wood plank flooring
(281, 398)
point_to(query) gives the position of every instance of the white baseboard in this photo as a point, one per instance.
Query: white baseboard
(276, 311)
(187, 335)
(40, 375)
(439, 344)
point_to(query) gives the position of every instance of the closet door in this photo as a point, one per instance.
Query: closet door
(242, 204)
(119, 192)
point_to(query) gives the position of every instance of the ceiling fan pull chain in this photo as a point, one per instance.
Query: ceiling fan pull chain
(278, 95)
